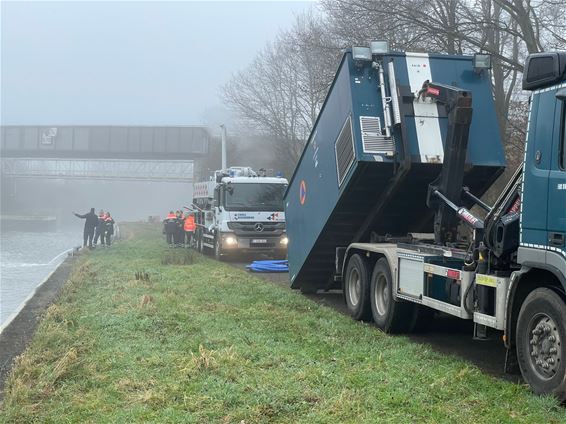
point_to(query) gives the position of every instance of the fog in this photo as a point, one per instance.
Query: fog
(126, 201)
(128, 64)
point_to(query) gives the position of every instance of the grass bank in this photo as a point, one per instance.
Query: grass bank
(142, 335)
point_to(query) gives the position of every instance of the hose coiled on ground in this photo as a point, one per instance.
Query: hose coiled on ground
(269, 266)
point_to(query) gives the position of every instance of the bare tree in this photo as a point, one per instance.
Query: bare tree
(507, 29)
(280, 93)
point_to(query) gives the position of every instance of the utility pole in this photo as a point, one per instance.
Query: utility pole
(224, 166)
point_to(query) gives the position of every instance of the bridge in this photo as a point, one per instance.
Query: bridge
(117, 153)
(127, 153)
(104, 142)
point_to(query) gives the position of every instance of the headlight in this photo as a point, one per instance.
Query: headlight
(230, 240)
(284, 241)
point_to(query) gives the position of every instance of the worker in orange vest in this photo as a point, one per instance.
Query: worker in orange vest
(189, 226)
(108, 230)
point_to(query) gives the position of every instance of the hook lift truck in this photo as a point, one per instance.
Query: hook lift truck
(379, 204)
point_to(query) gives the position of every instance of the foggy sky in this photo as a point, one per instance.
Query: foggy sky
(131, 63)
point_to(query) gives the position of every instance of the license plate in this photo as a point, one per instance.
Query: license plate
(259, 241)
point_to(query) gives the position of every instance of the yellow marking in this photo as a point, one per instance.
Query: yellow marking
(486, 280)
(428, 268)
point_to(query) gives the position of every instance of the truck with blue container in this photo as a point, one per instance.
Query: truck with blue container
(379, 203)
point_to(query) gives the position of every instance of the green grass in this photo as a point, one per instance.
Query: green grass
(204, 342)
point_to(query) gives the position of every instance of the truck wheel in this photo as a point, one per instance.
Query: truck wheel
(389, 315)
(356, 288)
(541, 342)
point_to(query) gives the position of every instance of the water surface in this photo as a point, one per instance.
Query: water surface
(26, 259)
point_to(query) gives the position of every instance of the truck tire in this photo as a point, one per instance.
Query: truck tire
(541, 342)
(388, 314)
(356, 288)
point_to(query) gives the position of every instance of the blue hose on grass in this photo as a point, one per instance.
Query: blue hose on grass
(269, 266)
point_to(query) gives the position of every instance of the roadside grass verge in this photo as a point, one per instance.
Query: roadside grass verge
(139, 338)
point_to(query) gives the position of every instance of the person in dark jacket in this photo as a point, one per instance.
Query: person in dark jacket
(99, 228)
(108, 229)
(91, 221)
(170, 227)
(179, 231)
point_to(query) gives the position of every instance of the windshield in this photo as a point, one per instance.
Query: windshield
(254, 197)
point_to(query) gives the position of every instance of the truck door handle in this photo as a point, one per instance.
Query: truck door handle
(556, 239)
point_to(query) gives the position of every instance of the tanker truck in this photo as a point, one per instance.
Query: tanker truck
(385, 203)
(239, 210)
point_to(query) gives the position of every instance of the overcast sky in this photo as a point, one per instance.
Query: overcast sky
(133, 63)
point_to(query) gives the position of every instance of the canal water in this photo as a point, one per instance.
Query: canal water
(26, 260)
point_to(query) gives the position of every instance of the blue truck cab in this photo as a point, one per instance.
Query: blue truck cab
(543, 212)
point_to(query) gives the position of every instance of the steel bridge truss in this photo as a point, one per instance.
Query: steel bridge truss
(99, 169)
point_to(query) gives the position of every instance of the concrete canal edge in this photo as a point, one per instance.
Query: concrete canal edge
(16, 335)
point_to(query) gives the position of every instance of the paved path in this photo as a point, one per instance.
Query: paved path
(446, 334)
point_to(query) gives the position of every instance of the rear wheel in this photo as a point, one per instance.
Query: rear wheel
(389, 315)
(541, 342)
(356, 288)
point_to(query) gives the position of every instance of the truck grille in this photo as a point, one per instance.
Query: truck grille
(373, 140)
(344, 148)
(250, 227)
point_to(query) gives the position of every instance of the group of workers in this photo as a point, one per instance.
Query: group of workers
(97, 227)
(179, 228)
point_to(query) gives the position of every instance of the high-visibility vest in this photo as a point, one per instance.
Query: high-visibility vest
(190, 223)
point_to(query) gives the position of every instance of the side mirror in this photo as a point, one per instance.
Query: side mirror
(561, 94)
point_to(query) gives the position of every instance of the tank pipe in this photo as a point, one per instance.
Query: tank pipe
(393, 93)
(224, 166)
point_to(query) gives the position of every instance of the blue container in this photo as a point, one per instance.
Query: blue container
(347, 183)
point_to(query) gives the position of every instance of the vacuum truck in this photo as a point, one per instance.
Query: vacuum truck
(239, 210)
(381, 203)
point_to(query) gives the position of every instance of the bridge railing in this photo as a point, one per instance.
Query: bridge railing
(99, 169)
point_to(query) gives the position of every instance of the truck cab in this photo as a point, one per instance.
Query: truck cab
(536, 305)
(543, 212)
(242, 213)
